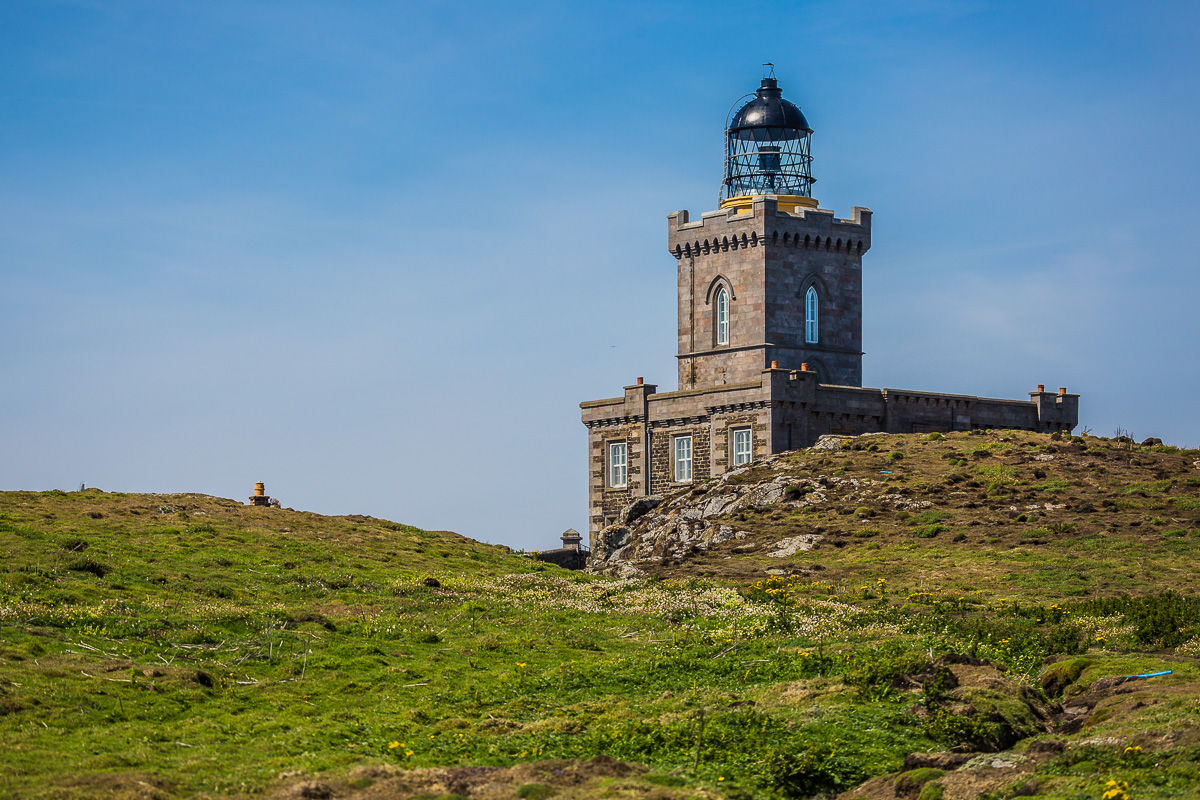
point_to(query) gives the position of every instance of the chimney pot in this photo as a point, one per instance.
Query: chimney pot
(1062, 390)
(639, 382)
(774, 365)
(1041, 387)
(804, 367)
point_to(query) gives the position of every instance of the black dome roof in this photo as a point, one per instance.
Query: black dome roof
(768, 109)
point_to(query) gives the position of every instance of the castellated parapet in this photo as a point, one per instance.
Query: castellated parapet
(768, 260)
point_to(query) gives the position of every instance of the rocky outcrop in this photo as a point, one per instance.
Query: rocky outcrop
(660, 528)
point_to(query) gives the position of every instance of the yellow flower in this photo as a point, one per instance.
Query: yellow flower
(393, 745)
(521, 664)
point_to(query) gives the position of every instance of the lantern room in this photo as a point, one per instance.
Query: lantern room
(767, 150)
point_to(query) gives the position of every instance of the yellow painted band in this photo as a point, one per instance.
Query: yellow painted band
(787, 202)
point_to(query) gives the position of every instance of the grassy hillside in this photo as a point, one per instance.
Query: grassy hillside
(1007, 514)
(186, 646)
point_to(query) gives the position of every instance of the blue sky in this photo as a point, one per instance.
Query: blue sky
(375, 254)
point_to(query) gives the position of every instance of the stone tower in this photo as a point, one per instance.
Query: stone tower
(770, 337)
(758, 286)
(775, 272)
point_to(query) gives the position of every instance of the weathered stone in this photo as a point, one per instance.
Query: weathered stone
(794, 544)
(943, 761)
(827, 443)
(637, 508)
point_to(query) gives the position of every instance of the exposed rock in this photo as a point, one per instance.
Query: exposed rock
(1151, 442)
(794, 544)
(942, 761)
(1049, 747)
(638, 507)
(659, 528)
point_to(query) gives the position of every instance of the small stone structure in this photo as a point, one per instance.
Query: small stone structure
(259, 498)
(572, 555)
(769, 303)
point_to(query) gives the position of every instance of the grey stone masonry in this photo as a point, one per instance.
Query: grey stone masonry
(767, 260)
(784, 409)
(766, 378)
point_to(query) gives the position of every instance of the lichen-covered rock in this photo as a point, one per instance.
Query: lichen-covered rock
(660, 528)
(670, 527)
(794, 544)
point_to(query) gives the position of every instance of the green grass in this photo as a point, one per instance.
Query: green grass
(209, 648)
(1052, 485)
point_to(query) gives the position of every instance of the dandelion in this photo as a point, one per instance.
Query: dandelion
(1116, 791)
(393, 745)
(521, 664)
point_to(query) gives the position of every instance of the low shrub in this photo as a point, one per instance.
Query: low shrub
(1165, 620)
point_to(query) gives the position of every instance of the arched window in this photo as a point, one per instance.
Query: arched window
(722, 317)
(810, 315)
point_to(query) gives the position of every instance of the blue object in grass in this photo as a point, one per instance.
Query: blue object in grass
(886, 471)
(1151, 674)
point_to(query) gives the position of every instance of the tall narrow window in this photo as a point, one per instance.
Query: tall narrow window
(722, 317)
(618, 470)
(683, 459)
(810, 315)
(742, 447)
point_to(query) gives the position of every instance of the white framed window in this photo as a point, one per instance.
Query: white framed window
(810, 315)
(722, 317)
(743, 446)
(683, 459)
(618, 469)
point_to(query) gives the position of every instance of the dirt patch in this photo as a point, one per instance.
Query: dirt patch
(103, 786)
(981, 774)
(565, 779)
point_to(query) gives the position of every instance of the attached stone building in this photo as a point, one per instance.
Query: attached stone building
(770, 335)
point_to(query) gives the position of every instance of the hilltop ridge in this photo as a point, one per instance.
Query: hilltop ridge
(1010, 512)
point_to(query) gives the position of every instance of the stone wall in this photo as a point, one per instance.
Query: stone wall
(767, 260)
(565, 557)
(662, 454)
(607, 501)
(722, 438)
(786, 409)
